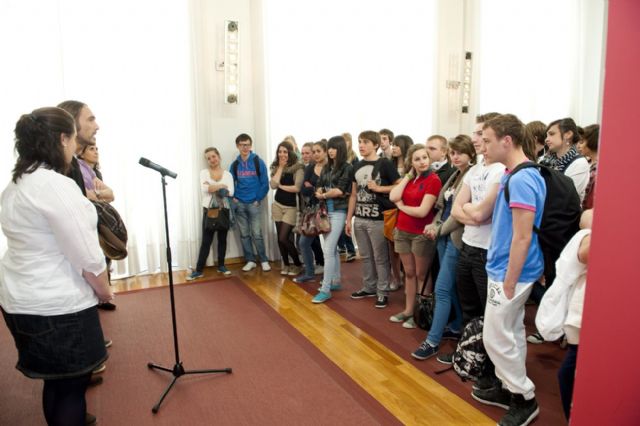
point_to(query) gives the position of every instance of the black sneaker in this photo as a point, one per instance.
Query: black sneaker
(351, 257)
(521, 412)
(451, 335)
(445, 358)
(485, 383)
(496, 396)
(361, 294)
(381, 302)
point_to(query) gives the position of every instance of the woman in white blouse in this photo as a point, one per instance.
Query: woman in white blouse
(214, 182)
(53, 273)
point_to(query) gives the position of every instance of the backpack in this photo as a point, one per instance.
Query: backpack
(112, 232)
(561, 215)
(234, 168)
(470, 355)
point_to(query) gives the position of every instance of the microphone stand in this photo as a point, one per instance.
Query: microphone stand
(177, 370)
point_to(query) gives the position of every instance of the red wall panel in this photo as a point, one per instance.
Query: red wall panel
(607, 389)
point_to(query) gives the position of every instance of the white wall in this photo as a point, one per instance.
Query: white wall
(448, 118)
(217, 124)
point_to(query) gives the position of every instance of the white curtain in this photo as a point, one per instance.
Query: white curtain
(347, 66)
(130, 62)
(542, 59)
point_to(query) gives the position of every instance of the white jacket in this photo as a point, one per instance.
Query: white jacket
(561, 305)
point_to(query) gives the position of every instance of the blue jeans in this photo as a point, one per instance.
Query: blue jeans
(445, 292)
(307, 254)
(331, 259)
(566, 378)
(250, 225)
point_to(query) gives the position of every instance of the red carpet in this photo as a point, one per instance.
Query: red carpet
(543, 360)
(278, 376)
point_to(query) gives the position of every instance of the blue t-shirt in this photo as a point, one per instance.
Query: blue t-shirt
(527, 190)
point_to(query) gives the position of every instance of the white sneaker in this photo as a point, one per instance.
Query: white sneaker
(249, 266)
(284, 270)
(294, 270)
(265, 266)
(319, 270)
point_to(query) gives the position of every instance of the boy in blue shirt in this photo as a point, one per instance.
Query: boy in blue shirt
(514, 262)
(251, 182)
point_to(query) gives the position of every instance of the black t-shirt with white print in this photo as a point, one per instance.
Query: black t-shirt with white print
(370, 205)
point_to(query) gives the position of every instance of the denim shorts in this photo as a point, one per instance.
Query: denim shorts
(57, 346)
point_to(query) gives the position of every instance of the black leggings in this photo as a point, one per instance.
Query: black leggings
(63, 401)
(285, 243)
(205, 246)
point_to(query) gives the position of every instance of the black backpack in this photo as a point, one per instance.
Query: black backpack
(561, 215)
(470, 355)
(234, 168)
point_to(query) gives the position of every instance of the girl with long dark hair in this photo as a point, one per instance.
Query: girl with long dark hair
(334, 188)
(286, 178)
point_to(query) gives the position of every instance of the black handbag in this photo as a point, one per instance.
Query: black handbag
(423, 310)
(425, 306)
(218, 219)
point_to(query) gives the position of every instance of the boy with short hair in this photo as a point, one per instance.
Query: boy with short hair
(251, 183)
(386, 138)
(373, 179)
(514, 262)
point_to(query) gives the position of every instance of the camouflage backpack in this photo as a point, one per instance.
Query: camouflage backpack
(470, 355)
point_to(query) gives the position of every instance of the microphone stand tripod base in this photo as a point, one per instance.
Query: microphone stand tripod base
(179, 371)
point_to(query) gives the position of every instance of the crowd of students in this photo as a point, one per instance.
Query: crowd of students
(404, 203)
(444, 198)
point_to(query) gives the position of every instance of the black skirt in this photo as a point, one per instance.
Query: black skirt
(57, 346)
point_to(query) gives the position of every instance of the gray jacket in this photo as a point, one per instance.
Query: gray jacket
(451, 226)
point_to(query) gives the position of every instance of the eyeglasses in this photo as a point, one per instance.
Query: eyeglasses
(244, 145)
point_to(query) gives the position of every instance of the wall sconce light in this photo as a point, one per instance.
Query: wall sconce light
(231, 62)
(466, 83)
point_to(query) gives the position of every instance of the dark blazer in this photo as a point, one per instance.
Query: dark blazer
(445, 172)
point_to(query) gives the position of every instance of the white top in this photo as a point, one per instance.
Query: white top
(560, 311)
(52, 236)
(480, 178)
(578, 171)
(206, 180)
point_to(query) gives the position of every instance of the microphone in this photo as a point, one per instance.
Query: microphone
(158, 168)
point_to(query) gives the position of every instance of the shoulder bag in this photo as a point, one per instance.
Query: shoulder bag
(218, 216)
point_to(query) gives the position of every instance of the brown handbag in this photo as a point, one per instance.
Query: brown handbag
(315, 220)
(390, 219)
